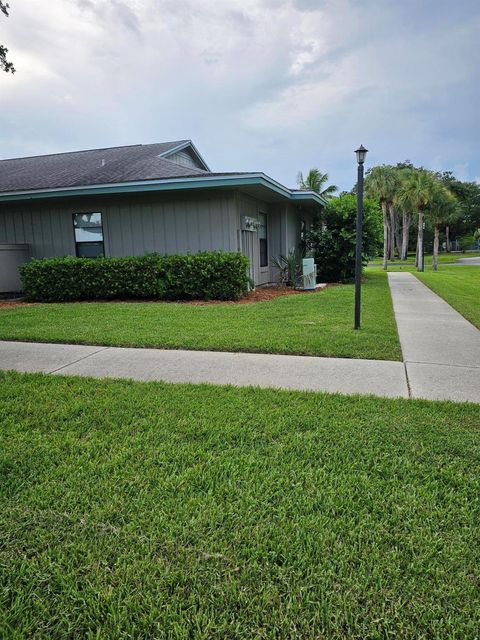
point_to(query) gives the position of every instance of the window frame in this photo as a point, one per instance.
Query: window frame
(88, 242)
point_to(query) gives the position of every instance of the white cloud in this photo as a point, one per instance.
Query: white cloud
(276, 85)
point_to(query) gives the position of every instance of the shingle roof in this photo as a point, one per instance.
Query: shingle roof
(95, 166)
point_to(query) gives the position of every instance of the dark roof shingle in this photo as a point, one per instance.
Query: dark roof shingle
(93, 167)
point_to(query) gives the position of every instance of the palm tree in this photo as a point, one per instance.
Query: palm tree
(316, 181)
(416, 194)
(382, 183)
(404, 174)
(395, 235)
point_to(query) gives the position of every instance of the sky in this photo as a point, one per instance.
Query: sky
(259, 85)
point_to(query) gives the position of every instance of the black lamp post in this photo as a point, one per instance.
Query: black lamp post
(423, 247)
(361, 152)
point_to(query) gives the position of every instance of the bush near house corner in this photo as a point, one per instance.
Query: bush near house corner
(332, 239)
(213, 275)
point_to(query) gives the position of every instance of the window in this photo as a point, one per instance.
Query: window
(262, 237)
(88, 235)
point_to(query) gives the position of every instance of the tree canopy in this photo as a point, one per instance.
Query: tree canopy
(5, 65)
(316, 181)
(332, 238)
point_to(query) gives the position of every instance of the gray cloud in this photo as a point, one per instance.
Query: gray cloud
(116, 10)
(272, 85)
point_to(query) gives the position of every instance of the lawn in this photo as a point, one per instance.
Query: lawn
(443, 258)
(459, 286)
(308, 324)
(146, 510)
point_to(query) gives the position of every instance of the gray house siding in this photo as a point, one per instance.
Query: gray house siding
(164, 223)
(185, 158)
(292, 227)
(131, 225)
(175, 225)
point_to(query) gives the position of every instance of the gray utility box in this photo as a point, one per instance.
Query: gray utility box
(11, 257)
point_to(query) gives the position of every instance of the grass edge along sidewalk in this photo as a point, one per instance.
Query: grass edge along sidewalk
(317, 324)
(459, 286)
(146, 509)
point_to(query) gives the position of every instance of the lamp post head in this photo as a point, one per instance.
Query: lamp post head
(361, 153)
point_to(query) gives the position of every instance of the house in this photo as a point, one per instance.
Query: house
(138, 199)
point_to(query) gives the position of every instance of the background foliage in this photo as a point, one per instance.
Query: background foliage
(332, 238)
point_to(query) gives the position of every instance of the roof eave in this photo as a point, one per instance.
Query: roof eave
(167, 184)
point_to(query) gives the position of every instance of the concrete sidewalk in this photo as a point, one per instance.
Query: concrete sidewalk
(441, 352)
(375, 377)
(441, 349)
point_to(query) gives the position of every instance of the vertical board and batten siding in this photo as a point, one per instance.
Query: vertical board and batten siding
(171, 226)
(185, 158)
(131, 226)
(292, 228)
(49, 231)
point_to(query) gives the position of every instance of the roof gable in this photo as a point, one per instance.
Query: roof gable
(183, 152)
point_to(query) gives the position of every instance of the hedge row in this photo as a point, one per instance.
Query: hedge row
(213, 275)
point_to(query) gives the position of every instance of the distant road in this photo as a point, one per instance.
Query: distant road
(475, 260)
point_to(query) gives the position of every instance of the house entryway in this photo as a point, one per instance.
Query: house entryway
(249, 249)
(255, 247)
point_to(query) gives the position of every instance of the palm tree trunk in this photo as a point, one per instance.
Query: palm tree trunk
(386, 234)
(405, 230)
(435, 248)
(398, 240)
(420, 241)
(447, 234)
(392, 232)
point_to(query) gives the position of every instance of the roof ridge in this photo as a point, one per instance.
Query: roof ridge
(66, 153)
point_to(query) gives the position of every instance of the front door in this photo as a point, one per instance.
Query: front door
(263, 262)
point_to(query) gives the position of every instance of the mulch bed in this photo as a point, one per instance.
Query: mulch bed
(9, 304)
(262, 294)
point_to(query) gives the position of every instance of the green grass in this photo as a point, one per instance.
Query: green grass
(146, 510)
(459, 286)
(308, 324)
(409, 265)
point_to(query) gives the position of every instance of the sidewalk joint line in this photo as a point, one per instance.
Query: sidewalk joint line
(443, 364)
(69, 364)
(409, 391)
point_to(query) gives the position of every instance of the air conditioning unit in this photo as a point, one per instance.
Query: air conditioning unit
(309, 274)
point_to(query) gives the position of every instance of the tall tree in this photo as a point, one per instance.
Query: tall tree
(416, 194)
(5, 65)
(403, 173)
(395, 240)
(316, 181)
(381, 183)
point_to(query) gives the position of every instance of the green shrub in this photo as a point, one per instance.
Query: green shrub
(332, 239)
(214, 275)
